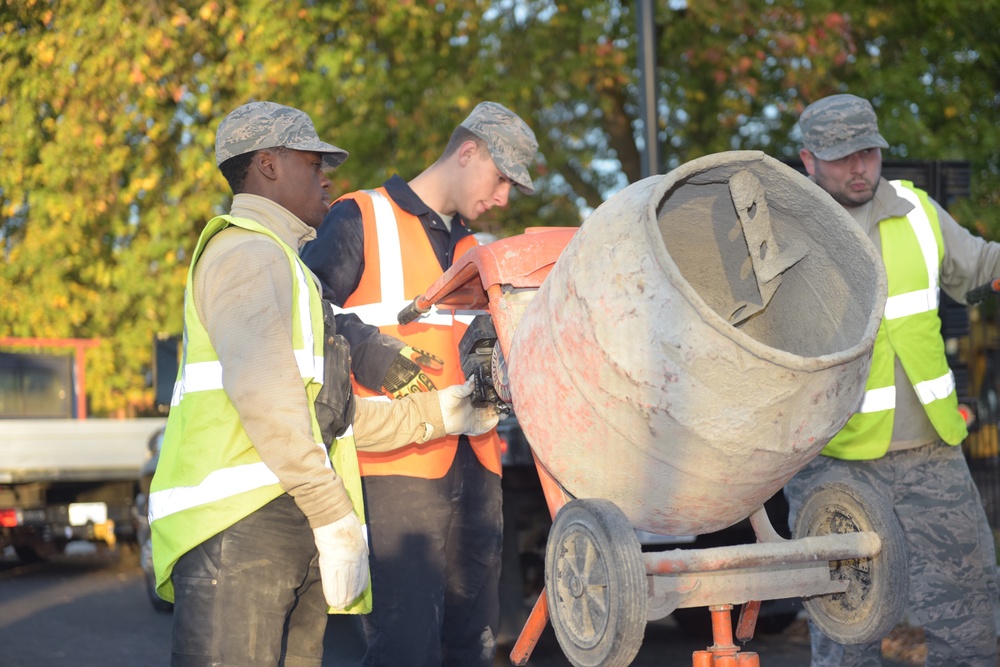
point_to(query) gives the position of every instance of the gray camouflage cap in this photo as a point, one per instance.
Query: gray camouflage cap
(259, 125)
(838, 125)
(510, 141)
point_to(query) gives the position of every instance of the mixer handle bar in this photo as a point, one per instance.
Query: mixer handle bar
(417, 307)
(977, 294)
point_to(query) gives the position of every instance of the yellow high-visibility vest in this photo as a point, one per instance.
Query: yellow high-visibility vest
(912, 250)
(209, 475)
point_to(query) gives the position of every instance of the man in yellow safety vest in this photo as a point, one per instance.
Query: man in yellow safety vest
(903, 439)
(256, 516)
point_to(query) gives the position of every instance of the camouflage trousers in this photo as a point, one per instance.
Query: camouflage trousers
(953, 585)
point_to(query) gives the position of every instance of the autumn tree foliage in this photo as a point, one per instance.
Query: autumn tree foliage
(108, 113)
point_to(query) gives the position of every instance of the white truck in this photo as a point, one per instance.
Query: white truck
(63, 477)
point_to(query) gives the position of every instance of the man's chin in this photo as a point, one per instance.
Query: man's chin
(853, 199)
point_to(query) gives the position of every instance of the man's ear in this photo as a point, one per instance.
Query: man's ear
(466, 151)
(808, 161)
(265, 163)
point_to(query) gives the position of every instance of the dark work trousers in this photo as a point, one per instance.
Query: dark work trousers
(251, 595)
(435, 566)
(952, 561)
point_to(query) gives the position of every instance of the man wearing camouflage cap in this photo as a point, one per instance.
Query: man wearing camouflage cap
(255, 532)
(434, 512)
(904, 439)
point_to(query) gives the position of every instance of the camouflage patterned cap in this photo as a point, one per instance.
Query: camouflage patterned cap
(258, 125)
(510, 141)
(838, 125)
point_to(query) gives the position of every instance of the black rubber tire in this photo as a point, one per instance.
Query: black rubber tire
(876, 596)
(38, 552)
(28, 555)
(595, 580)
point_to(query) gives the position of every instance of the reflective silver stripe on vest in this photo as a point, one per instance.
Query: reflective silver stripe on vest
(929, 391)
(391, 288)
(310, 365)
(390, 256)
(198, 376)
(914, 303)
(207, 375)
(877, 400)
(385, 314)
(219, 485)
(465, 316)
(923, 300)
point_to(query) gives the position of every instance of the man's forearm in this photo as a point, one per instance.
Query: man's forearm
(372, 352)
(382, 425)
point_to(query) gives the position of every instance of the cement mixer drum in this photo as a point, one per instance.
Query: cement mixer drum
(701, 338)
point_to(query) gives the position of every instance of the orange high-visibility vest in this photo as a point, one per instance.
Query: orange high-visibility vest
(400, 264)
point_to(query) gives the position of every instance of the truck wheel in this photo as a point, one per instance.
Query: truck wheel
(28, 555)
(875, 598)
(595, 580)
(37, 552)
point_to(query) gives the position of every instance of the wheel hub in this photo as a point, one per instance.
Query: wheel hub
(595, 582)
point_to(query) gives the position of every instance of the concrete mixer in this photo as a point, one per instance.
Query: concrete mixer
(673, 362)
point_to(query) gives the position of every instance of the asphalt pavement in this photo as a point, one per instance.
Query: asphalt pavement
(95, 614)
(664, 645)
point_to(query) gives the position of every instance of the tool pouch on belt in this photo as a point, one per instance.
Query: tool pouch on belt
(335, 401)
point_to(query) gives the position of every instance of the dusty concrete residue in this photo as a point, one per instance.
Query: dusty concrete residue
(700, 340)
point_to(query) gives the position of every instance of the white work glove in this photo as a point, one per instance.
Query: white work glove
(460, 416)
(343, 560)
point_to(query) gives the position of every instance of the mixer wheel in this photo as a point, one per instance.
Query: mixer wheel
(876, 595)
(595, 580)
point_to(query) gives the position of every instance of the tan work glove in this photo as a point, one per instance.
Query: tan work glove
(460, 416)
(407, 374)
(343, 560)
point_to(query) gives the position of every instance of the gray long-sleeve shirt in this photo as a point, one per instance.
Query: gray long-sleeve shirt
(243, 295)
(969, 261)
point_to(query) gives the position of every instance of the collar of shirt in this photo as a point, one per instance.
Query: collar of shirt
(888, 204)
(274, 217)
(408, 200)
(442, 240)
